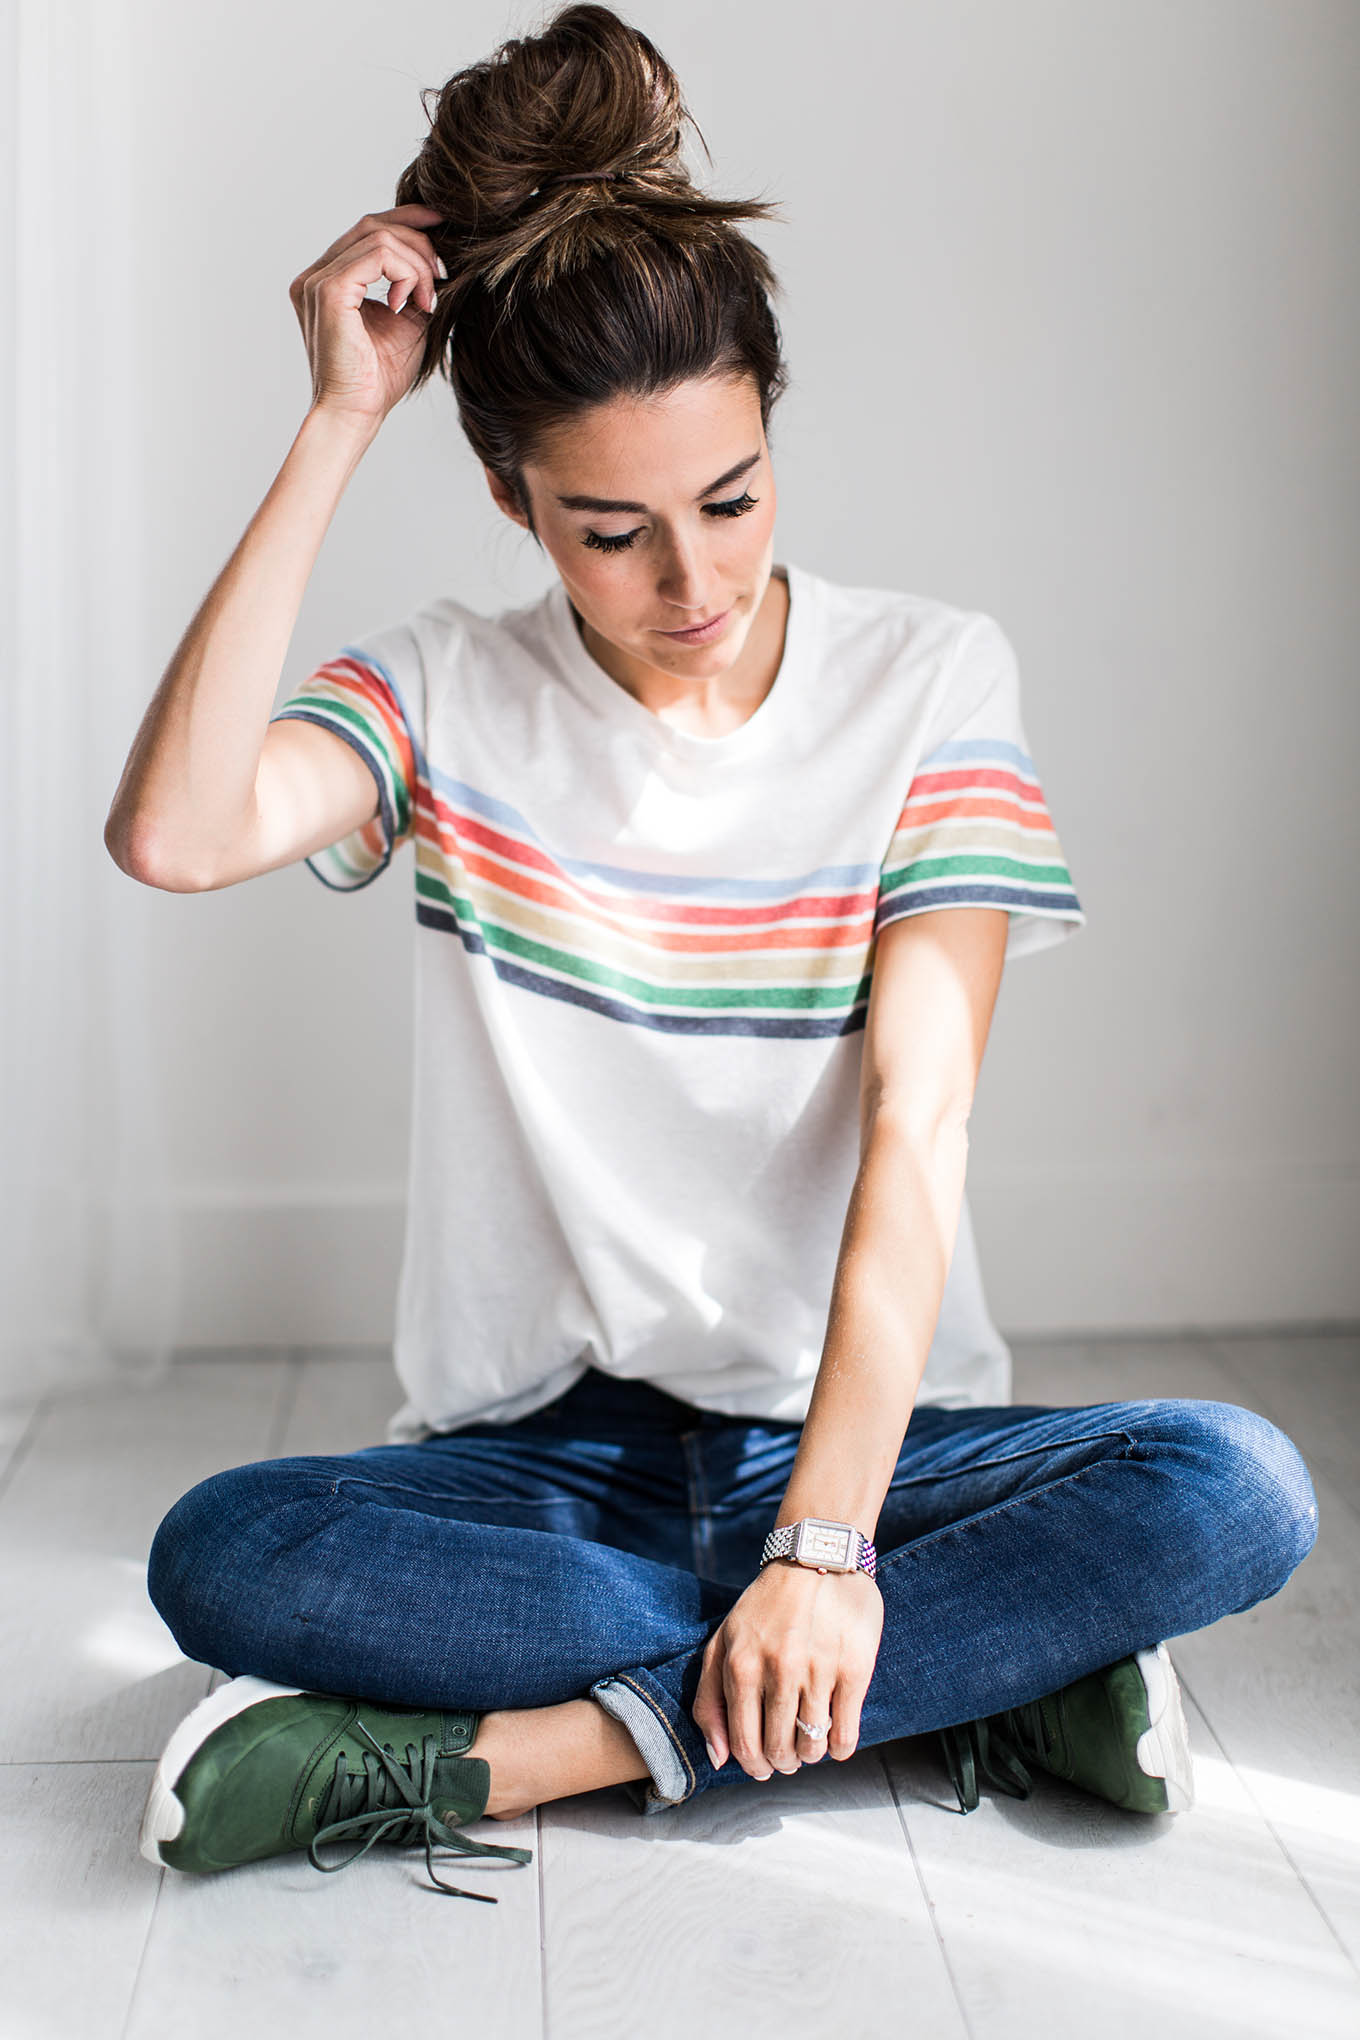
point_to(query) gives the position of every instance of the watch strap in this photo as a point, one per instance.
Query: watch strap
(780, 1544)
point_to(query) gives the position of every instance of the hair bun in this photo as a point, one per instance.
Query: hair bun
(588, 102)
(581, 257)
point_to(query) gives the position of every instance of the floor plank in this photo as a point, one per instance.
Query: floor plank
(374, 1949)
(103, 1676)
(344, 1399)
(19, 1418)
(786, 1909)
(76, 1901)
(1063, 1915)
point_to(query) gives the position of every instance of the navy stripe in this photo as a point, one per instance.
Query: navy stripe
(807, 1027)
(892, 906)
(388, 819)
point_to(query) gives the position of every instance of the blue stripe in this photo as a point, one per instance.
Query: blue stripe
(823, 878)
(965, 750)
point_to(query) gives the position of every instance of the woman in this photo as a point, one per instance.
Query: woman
(717, 865)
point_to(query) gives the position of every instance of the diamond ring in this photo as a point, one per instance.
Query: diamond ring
(809, 1728)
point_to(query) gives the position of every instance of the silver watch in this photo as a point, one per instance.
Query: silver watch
(819, 1542)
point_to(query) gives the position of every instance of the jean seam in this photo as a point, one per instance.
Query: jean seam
(625, 1679)
(904, 1551)
(401, 1487)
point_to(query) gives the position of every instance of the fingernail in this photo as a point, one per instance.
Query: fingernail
(712, 1754)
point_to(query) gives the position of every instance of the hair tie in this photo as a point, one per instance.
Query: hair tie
(583, 177)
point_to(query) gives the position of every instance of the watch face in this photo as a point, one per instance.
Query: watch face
(823, 1543)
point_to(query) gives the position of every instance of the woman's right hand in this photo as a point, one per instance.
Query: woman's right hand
(364, 354)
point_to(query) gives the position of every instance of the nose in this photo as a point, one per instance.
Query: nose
(686, 582)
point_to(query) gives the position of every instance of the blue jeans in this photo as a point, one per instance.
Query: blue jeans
(593, 1546)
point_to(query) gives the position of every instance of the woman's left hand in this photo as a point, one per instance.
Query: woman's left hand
(798, 1642)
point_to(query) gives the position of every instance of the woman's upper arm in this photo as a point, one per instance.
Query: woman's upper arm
(311, 789)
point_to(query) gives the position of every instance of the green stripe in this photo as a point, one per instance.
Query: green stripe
(342, 711)
(829, 998)
(356, 855)
(978, 867)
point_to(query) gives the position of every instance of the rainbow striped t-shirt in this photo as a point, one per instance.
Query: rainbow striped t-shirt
(643, 962)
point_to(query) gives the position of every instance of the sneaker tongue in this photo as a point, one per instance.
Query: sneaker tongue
(460, 1788)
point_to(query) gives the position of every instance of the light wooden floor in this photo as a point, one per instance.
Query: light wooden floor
(847, 1902)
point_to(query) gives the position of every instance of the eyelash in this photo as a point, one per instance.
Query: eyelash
(735, 506)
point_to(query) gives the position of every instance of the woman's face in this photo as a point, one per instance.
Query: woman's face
(658, 513)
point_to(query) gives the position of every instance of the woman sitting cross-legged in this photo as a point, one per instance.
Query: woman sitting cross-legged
(707, 1467)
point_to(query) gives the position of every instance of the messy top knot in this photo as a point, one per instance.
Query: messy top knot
(583, 262)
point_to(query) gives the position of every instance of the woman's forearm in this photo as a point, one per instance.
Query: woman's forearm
(895, 1252)
(190, 775)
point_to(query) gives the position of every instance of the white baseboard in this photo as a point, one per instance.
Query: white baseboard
(1069, 1252)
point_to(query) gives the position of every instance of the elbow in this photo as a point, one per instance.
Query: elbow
(138, 849)
(911, 1123)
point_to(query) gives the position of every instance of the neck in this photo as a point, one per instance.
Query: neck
(709, 704)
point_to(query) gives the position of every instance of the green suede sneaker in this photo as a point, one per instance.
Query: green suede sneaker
(1120, 1732)
(257, 1770)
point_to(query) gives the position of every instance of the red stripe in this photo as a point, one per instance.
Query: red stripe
(373, 691)
(701, 926)
(926, 783)
(923, 812)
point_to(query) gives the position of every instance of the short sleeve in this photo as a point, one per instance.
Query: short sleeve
(371, 694)
(974, 829)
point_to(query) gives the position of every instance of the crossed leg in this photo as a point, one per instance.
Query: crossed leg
(1019, 1548)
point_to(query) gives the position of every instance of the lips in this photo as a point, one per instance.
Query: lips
(691, 628)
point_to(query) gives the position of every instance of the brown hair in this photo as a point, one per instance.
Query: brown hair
(583, 262)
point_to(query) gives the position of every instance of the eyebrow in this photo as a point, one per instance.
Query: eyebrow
(614, 503)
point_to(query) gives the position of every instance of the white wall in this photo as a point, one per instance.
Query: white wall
(1072, 317)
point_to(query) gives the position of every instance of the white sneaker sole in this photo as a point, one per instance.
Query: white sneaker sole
(1164, 1746)
(163, 1818)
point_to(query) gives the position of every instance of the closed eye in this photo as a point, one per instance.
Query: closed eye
(734, 506)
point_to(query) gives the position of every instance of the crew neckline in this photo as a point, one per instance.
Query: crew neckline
(627, 711)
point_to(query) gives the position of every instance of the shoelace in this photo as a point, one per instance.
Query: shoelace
(391, 1802)
(994, 1748)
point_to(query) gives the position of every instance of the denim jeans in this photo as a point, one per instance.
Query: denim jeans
(593, 1546)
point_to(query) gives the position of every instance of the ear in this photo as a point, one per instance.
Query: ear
(504, 497)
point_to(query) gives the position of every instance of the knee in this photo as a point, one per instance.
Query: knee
(1257, 1505)
(201, 1554)
(186, 1550)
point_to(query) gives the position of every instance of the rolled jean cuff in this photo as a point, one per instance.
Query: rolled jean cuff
(647, 1711)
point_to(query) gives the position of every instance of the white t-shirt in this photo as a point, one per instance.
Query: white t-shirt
(642, 974)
